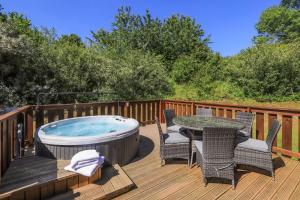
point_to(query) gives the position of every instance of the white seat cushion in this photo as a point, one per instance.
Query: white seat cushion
(254, 144)
(243, 133)
(199, 145)
(173, 128)
(175, 138)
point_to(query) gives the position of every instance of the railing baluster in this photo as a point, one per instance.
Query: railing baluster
(260, 126)
(272, 117)
(287, 124)
(4, 146)
(221, 112)
(29, 126)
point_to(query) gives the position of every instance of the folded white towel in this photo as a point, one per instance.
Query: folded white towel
(85, 171)
(99, 161)
(85, 162)
(86, 155)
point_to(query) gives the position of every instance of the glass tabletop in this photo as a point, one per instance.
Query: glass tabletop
(198, 123)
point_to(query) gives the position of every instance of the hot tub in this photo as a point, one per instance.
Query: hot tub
(115, 137)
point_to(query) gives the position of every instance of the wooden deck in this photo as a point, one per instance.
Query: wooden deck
(144, 178)
(114, 182)
(40, 178)
(177, 181)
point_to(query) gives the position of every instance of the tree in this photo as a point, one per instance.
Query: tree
(35, 60)
(134, 74)
(71, 39)
(278, 24)
(174, 37)
(267, 71)
(181, 36)
(291, 4)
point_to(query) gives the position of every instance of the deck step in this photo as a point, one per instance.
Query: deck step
(113, 183)
(39, 178)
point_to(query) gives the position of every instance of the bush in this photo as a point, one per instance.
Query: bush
(136, 75)
(267, 71)
(184, 69)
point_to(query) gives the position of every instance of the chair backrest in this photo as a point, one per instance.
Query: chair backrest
(247, 119)
(204, 112)
(160, 132)
(169, 114)
(218, 144)
(272, 133)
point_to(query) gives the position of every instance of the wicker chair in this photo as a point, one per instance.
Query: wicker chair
(215, 153)
(256, 152)
(197, 135)
(247, 119)
(173, 145)
(169, 114)
(204, 112)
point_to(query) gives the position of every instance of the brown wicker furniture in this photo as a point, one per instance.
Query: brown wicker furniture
(247, 119)
(204, 112)
(256, 152)
(169, 115)
(195, 125)
(173, 145)
(198, 123)
(197, 135)
(215, 153)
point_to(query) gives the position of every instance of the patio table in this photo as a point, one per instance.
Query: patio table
(197, 123)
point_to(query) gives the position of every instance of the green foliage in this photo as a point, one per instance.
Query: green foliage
(181, 36)
(34, 61)
(10, 96)
(71, 39)
(184, 91)
(145, 57)
(293, 4)
(278, 24)
(136, 75)
(174, 37)
(184, 69)
(267, 71)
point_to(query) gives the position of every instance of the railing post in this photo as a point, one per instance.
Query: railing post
(287, 126)
(248, 109)
(162, 105)
(39, 117)
(260, 125)
(272, 117)
(126, 109)
(29, 126)
(193, 110)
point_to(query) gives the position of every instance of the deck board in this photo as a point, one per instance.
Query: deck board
(114, 182)
(272, 186)
(288, 186)
(32, 171)
(176, 180)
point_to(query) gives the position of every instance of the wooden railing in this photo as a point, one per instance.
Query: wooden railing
(8, 134)
(142, 111)
(287, 142)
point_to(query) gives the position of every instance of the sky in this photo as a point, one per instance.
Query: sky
(230, 23)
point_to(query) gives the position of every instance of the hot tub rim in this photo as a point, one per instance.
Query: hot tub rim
(85, 140)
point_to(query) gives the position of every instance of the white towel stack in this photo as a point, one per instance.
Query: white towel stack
(85, 162)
